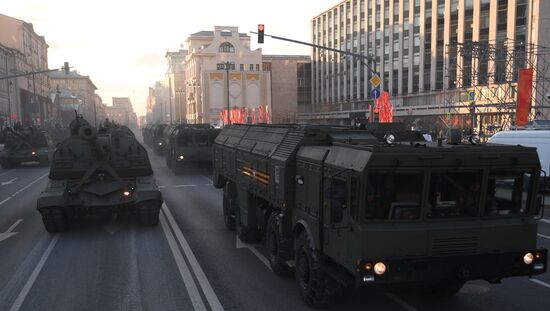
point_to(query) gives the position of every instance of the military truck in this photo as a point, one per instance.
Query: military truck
(146, 132)
(94, 172)
(27, 145)
(157, 138)
(351, 208)
(190, 146)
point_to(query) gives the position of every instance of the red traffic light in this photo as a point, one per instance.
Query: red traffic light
(261, 33)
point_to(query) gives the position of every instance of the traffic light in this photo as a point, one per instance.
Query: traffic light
(66, 68)
(261, 33)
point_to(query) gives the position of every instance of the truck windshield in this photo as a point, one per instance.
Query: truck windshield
(394, 195)
(508, 193)
(454, 194)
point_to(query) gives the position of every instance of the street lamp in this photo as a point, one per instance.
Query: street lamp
(227, 66)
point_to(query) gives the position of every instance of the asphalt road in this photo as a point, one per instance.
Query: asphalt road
(188, 262)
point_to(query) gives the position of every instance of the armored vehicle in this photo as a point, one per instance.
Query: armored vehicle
(146, 132)
(58, 133)
(157, 138)
(105, 172)
(190, 146)
(350, 208)
(27, 145)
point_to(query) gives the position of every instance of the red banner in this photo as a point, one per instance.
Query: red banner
(384, 108)
(525, 90)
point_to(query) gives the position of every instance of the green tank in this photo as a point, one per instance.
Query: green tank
(94, 172)
(343, 208)
(26, 145)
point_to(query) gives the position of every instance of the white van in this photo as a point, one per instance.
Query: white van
(539, 139)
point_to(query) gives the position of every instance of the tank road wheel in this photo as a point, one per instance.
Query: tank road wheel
(278, 248)
(149, 213)
(228, 211)
(246, 235)
(54, 219)
(316, 288)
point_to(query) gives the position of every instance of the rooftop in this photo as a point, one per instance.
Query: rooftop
(207, 33)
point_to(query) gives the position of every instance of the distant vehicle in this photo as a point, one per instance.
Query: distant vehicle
(93, 173)
(539, 139)
(26, 145)
(190, 146)
(350, 208)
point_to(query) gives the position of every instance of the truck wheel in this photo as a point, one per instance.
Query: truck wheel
(228, 211)
(314, 285)
(246, 235)
(54, 219)
(149, 213)
(218, 180)
(278, 248)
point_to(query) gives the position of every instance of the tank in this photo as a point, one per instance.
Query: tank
(26, 145)
(101, 171)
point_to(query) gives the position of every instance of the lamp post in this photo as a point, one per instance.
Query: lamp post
(227, 66)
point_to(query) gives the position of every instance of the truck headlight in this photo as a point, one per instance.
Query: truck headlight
(379, 268)
(528, 258)
(160, 144)
(389, 138)
(181, 157)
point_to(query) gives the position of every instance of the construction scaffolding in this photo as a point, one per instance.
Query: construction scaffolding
(481, 82)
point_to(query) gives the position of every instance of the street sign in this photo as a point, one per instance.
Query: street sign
(375, 81)
(471, 96)
(375, 93)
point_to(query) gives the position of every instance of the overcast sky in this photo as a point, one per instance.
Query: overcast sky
(121, 44)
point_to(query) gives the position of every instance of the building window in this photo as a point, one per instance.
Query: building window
(227, 47)
(257, 67)
(251, 67)
(242, 67)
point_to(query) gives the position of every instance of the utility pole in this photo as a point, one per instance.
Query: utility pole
(227, 66)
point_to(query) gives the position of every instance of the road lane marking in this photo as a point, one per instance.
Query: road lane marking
(208, 178)
(9, 182)
(183, 186)
(7, 172)
(22, 189)
(543, 236)
(34, 275)
(540, 282)
(213, 300)
(8, 234)
(185, 273)
(400, 302)
(261, 257)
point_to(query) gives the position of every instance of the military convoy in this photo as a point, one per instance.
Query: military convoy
(190, 145)
(26, 145)
(93, 172)
(348, 208)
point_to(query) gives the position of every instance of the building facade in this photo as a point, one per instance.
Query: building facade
(290, 77)
(79, 86)
(8, 105)
(29, 53)
(420, 49)
(157, 105)
(213, 93)
(175, 79)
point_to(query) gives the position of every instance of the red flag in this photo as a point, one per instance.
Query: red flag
(525, 90)
(253, 115)
(267, 114)
(261, 114)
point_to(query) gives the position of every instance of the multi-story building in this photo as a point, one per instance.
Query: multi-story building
(175, 79)
(29, 53)
(211, 90)
(81, 87)
(157, 105)
(420, 49)
(8, 105)
(290, 77)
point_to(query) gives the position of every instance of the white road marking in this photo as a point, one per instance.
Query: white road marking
(545, 220)
(162, 187)
(30, 282)
(183, 186)
(540, 282)
(213, 300)
(5, 200)
(185, 273)
(11, 181)
(252, 248)
(208, 178)
(8, 234)
(207, 184)
(400, 302)
(22, 189)
(7, 172)
(543, 236)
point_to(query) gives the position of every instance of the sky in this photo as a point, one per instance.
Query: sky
(121, 44)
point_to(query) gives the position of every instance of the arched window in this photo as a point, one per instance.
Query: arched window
(227, 47)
